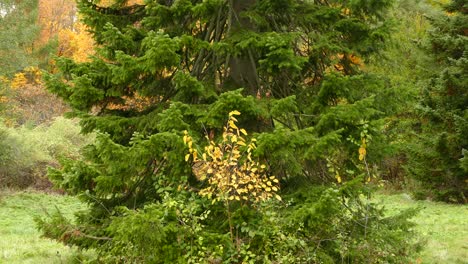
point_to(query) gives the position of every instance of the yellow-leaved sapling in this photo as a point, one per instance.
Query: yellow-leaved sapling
(229, 169)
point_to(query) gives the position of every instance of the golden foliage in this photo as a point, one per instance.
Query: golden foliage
(136, 102)
(59, 19)
(229, 170)
(29, 100)
(75, 43)
(19, 80)
(362, 149)
(54, 16)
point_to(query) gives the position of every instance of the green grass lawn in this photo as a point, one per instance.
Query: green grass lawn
(443, 226)
(20, 241)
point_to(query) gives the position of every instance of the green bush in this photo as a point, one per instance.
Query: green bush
(25, 152)
(314, 225)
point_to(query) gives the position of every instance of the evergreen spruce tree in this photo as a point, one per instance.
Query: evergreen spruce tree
(436, 159)
(290, 67)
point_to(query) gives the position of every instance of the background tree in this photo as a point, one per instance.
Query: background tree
(292, 68)
(405, 66)
(18, 32)
(62, 34)
(441, 140)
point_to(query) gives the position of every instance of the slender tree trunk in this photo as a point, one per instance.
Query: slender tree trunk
(243, 68)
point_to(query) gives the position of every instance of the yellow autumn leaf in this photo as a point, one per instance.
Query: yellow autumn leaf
(362, 151)
(231, 124)
(235, 112)
(278, 197)
(338, 178)
(187, 157)
(243, 131)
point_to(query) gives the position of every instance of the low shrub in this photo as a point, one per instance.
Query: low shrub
(26, 152)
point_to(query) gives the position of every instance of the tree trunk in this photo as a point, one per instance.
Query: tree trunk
(243, 68)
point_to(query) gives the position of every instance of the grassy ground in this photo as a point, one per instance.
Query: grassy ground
(443, 226)
(20, 241)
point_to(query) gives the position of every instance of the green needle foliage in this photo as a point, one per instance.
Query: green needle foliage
(438, 155)
(292, 68)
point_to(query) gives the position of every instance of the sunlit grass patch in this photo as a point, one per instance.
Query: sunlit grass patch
(20, 241)
(443, 226)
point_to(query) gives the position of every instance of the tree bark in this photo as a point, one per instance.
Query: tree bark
(243, 68)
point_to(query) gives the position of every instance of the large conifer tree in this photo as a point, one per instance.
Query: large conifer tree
(291, 67)
(171, 65)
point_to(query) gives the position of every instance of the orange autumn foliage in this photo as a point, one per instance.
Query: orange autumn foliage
(54, 16)
(28, 100)
(59, 19)
(75, 43)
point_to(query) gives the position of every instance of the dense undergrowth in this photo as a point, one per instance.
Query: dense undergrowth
(246, 131)
(27, 151)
